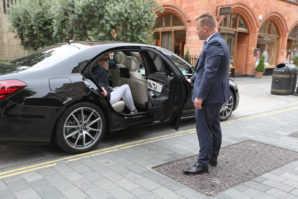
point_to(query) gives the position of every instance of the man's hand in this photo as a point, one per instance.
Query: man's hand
(198, 103)
(189, 81)
(104, 92)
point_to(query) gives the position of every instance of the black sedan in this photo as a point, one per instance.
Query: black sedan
(51, 95)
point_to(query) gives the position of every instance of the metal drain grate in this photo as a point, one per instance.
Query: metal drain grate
(237, 163)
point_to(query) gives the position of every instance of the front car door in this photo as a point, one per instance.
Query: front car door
(167, 86)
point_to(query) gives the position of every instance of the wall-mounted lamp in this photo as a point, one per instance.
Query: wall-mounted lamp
(260, 17)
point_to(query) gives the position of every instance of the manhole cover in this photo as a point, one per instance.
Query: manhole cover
(294, 135)
(237, 163)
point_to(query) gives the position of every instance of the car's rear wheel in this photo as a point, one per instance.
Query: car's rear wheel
(81, 127)
(227, 107)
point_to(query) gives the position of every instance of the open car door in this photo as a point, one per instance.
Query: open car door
(167, 87)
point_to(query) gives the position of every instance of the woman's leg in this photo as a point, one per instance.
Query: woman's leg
(123, 92)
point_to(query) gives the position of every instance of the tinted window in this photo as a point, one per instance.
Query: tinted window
(46, 57)
(183, 66)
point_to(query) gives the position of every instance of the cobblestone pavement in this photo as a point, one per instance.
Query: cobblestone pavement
(121, 167)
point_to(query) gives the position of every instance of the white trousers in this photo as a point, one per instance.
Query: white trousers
(123, 92)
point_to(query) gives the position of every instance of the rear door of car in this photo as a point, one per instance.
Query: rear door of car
(168, 88)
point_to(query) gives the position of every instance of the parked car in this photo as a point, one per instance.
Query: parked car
(51, 95)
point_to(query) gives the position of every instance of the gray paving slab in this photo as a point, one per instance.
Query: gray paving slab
(144, 193)
(39, 184)
(241, 187)
(166, 193)
(162, 180)
(148, 184)
(19, 185)
(32, 176)
(258, 186)
(98, 193)
(78, 167)
(127, 184)
(292, 183)
(106, 184)
(27, 194)
(272, 176)
(84, 184)
(121, 193)
(237, 194)
(259, 194)
(294, 192)
(281, 194)
(190, 193)
(72, 175)
(278, 185)
(92, 176)
(74, 193)
(49, 192)
(2, 185)
(59, 182)
(6, 194)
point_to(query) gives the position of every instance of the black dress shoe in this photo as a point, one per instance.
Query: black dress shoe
(213, 163)
(195, 169)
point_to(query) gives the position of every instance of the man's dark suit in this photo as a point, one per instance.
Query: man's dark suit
(211, 83)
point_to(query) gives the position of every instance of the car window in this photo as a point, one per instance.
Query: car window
(183, 66)
(159, 65)
(47, 57)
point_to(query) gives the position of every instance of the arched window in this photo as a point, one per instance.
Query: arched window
(234, 30)
(269, 29)
(292, 45)
(235, 22)
(169, 33)
(268, 43)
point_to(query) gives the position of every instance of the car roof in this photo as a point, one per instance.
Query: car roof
(86, 44)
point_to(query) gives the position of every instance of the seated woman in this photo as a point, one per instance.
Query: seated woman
(104, 79)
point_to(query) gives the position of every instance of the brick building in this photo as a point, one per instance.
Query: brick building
(253, 28)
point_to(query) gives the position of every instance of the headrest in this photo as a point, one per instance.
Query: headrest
(132, 63)
(119, 57)
(159, 64)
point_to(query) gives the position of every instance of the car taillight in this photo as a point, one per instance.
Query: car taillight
(8, 87)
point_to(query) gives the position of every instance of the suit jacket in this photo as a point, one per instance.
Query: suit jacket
(103, 78)
(211, 83)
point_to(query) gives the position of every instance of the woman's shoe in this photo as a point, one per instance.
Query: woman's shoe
(134, 111)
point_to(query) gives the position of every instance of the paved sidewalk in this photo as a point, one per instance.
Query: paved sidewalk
(124, 170)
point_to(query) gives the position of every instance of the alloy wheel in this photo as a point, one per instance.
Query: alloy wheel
(227, 108)
(82, 128)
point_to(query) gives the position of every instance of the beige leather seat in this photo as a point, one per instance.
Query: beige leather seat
(160, 66)
(120, 58)
(119, 106)
(136, 82)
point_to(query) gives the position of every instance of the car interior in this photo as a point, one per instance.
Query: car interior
(128, 67)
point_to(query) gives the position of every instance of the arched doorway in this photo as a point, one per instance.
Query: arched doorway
(268, 41)
(292, 44)
(170, 33)
(234, 30)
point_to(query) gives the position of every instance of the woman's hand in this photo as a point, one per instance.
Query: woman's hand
(104, 92)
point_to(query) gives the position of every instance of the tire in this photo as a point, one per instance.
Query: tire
(80, 128)
(227, 107)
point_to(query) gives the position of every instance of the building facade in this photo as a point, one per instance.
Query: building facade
(10, 47)
(253, 28)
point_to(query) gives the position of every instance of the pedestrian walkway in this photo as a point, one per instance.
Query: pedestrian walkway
(124, 170)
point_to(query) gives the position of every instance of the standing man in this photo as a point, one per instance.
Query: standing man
(210, 91)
